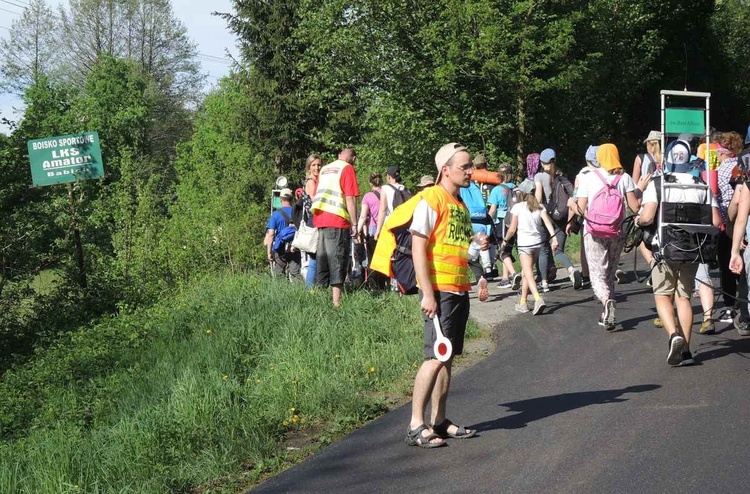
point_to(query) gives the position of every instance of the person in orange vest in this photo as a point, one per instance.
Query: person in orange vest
(334, 211)
(441, 233)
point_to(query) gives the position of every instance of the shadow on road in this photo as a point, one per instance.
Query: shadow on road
(546, 406)
(721, 347)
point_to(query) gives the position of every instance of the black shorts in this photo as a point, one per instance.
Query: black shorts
(332, 258)
(453, 313)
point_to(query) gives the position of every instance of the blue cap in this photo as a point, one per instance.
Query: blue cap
(591, 155)
(547, 155)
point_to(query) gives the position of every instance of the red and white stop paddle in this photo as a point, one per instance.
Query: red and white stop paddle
(443, 348)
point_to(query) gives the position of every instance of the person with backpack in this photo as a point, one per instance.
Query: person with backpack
(680, 255)
(439, 232)
(502, 199)
(530, 220)
(602, 197)
(648, 162)
(280, 232)
(591, 164)
(368, 222)
(556, 204)
(732, 285)
(480, 262)
(313, 165)
(392, 195)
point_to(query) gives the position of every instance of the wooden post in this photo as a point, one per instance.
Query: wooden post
(77, 238)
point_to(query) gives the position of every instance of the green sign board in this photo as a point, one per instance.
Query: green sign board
(688, 120)
(68, 158)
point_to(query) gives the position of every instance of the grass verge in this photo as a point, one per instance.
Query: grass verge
(198, 393)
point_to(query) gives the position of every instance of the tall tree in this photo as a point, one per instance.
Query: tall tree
(28, 53)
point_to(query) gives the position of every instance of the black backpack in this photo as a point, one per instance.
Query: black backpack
(400, 196)
(680, 244)
(557, 203)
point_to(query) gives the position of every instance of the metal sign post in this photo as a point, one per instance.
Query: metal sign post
(67, 159)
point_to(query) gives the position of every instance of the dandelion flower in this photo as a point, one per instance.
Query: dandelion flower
(208, 331)
(292, 409)
(285, 423)
(295, 419)
(224, 377)
(257, 380)
(372, 369)
(271, 367)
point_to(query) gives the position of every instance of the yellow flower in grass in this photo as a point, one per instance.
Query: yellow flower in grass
(224, 377)
(295, 419)
(271, 367)
(285, 423)
(257, 381)
(292, 409)
(208, 331)
(372, 370)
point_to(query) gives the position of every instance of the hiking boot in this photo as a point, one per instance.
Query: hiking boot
(552, 276)
(523, 308)
(609, 315)
(504, 283)
(482, 293)
(576, 279)
(539, 306)
(620, 276)
(676, 346)
(726, 315)
(687, 359)
(742, 325)
(515, 283)
(707, 327)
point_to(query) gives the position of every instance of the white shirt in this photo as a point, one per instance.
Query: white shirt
(530, 225)
(388, 191)
(423, 219)
(690, 196)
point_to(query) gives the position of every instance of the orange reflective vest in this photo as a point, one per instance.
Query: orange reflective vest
(447, 247)
(329, 197)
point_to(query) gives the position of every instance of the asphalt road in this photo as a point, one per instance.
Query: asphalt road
(563, 406)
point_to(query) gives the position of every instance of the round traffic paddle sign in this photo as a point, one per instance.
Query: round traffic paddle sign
(443, 348)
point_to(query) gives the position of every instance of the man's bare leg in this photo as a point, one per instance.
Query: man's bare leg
(685, 314)
(424, 384)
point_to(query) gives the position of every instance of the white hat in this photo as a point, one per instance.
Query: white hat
(654, 135)
(286, 193)
(444, 155)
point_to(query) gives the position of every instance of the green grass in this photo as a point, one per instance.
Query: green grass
(200, 390)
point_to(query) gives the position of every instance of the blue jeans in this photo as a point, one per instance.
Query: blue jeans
(311, 271)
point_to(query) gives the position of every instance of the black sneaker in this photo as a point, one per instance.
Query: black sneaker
(515, 282)
(742, 325)
(676, 345)
(609, 315)
(687, 359)
(577, 279)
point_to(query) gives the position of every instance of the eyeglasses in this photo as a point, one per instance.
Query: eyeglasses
(464, 168)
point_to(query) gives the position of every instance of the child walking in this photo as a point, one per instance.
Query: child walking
(529, 221)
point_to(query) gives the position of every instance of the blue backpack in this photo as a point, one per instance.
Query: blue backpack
(284, 237)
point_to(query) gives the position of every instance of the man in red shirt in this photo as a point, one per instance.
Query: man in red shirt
(334, 215)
